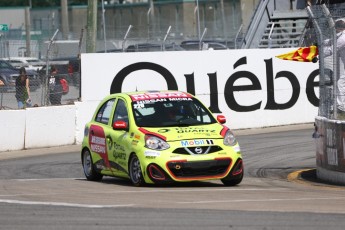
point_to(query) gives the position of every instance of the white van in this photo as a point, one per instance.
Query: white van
(29, 63)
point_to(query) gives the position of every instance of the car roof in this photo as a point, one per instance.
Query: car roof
(21, 58)
(142, 47)
(149, 94)
(215, 44)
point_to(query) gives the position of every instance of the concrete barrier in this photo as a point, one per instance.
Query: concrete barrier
(330, 150)
(40, 127)
(12, 129)
(50, 126)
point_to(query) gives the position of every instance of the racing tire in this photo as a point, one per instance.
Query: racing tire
(232, 181)
(135, 172)
(89, 168)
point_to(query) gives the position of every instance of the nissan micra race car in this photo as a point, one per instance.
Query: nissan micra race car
(157, 137)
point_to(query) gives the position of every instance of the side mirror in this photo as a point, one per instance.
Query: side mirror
(221, 119)
(120, 125)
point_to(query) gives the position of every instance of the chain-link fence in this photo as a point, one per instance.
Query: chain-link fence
(44, 87)
(327, 30)
(44, 90)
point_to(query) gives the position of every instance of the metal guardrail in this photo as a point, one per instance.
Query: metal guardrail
(330, 123)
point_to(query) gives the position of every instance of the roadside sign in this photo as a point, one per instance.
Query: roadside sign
(3, 27)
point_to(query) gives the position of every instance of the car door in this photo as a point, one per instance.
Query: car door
(99, 129)
(118, 141)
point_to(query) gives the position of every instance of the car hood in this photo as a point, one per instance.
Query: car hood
(211, 131)
(16, 71)
(9, 71)
(31, 72)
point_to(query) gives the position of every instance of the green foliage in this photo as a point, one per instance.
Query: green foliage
(39, 3)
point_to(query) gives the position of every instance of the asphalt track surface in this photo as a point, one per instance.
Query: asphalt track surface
(46, 189)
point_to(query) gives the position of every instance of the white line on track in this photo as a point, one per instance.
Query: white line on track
(47, 179)
(144, 191)
(63, 204)
(260, 200)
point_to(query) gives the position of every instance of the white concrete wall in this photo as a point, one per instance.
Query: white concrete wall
(12, 129)
(50, 126)
(64, 125)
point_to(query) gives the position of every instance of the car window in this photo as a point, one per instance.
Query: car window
(5, 65)
(15, 61)
(121, 113)
(171, 112)
(33, 61)
(104, 112)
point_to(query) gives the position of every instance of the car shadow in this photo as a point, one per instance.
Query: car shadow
(127, 183)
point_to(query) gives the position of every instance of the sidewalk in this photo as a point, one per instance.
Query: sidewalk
(38, 152)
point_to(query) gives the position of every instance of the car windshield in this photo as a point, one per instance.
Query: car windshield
(171, 112)
(35, 62)
(5, 65)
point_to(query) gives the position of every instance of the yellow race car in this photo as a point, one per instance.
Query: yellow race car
(156, 137)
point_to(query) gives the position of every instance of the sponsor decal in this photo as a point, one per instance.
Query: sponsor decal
(142, 103)
(119, 156)
(149, 153)
(98, 148)
(138, 106)
(158, 96)
(137, 136)
(100, 166)
(231, 87)
(180, 99)
(163, 130)
(97, 140)
(195, 130)
(237, 149)
(175, 156)
(135, 142)
(151, 101)
(196, 142)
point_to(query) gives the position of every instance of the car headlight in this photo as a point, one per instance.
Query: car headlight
(229, 139)
(155, 143)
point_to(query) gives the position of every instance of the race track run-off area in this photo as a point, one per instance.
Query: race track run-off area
(46, 187)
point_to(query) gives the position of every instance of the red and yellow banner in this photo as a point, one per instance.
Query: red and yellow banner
(303, 54)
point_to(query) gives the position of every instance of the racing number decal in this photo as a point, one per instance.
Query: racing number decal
(97, 142)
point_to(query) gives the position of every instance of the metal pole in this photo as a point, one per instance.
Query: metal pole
(321, 64)
(104, 34)
(27, 31)
(225, 32)
(269, 36)
(237, 34)
(91, 26)
(202, 37)
(80, 42)
(148, 22)
(336, 76)
(64, 19)
(44, 98)
(165, 37)
(198, 18)
(125, 38)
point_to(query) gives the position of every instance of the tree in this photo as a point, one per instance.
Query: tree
(39, 3)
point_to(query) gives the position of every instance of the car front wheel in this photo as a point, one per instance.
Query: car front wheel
(89, 170)
(135, 171)
(229, 181)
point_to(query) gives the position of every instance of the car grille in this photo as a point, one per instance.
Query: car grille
(198, 150)
(199, 169)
